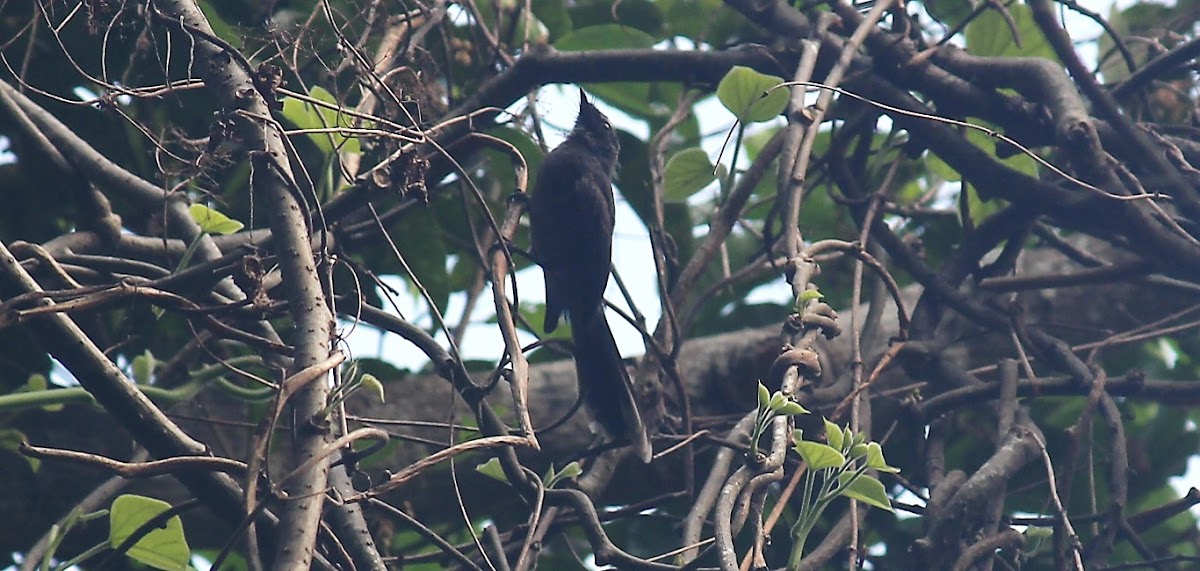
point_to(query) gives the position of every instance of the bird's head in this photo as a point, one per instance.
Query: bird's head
(593, 130)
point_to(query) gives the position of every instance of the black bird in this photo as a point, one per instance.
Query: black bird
(571, 227)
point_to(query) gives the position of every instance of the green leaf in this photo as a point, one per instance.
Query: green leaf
(741, 92)
(819, 456)
(833, 433)
(777, 401)
(220, 27)
(570, 471)
(35, 383)
(990, 35)
(531, 30)
(865, 489)
(634, 182)
(635, 98)
(371, 383)
(535, 315)
(306, 115)
(792, 408)
(688, 172)
(1140, 19)
(764, 396)
(941, 168)
(554, 15)
(422, 241)
(807, 296)
(233, 561)
(875, 459)
(604, 37)
(638, 99)
(1020, 162)
(691, 18)
(810, 294)
(492, 469)
(949, 12)
(644, 15)
(163, 548)
(11, 439)
(858, 450)
(1036, 532)
(212, 221)
(143, 367)
(503, 163)
(756, 141)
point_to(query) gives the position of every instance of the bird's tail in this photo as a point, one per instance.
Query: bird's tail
(605, 384)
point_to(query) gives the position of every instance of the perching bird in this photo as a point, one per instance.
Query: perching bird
(571, 225)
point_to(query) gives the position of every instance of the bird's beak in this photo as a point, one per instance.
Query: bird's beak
(582, 98)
